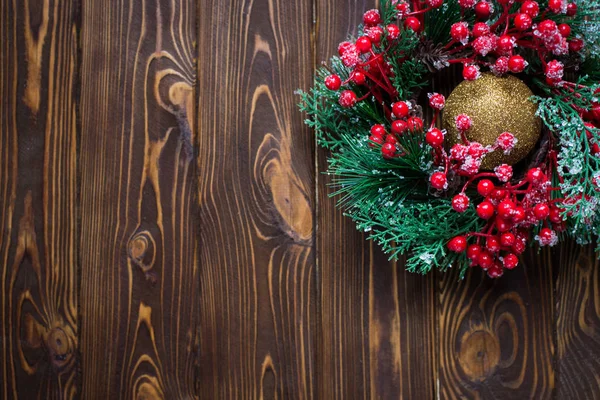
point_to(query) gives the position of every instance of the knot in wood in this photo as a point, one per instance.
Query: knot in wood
(479, 354)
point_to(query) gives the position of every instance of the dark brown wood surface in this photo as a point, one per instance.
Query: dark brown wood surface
(166, 232)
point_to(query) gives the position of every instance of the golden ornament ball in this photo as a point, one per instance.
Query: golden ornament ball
(495, 105)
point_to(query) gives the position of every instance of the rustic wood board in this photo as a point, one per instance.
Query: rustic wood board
(139, 270)
(38, 194)
(256, 165)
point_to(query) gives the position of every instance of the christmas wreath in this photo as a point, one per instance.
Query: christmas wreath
(511, 157)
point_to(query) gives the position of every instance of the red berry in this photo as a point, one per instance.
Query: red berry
(510, 261)
(393, 32)
(485, 210)
(439, 181)
(485, 259)
(358, 77)
(523, 22)
(473, 251)
(530, 8)
(516, 64)
(435, 3)
(388, 150)
(536, 176)
(555, 6)
(571, 9)
(556, 215)
(519, 247)
(495, 271)
(481, 29)
(374, 33)
(375, 140)
(541, 211)
(391, 139)
(457, 244)
(434, 137)
(492, 244)
(415, 124)
(344, 47)
(378, 130)
(547, 26)
(466, 3)
(500, 66)
(460, 31)
(470, 72)
(505, 44)
(412, 23)
(348, 98)
(576, 45)
(437, 101)
(503, 224)
(547, 237)
(518, 215)
(363, 44)
(498, 194)
(460, 203)
(463, 122)
(507, 239)
(333, 82)
(372, 17)
(400, 109)
(483, 10)
(399, 127)
(485, 187)
(565, 30)
(506, 208)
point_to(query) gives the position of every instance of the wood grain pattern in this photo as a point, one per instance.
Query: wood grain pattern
(256, 167)
(578, 322)
(38, 194)
(377, 321)
(496, 336)
(139, 270)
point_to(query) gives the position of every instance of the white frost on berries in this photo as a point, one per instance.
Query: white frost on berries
(485, 44)
(436, 100)
(506, 141)
(551, 240)
(504, 172)
(351, 56)
(463, 122)
(467, 3)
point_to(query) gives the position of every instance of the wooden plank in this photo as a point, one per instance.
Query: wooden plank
(577, 322)
(497, 336)
(38, 194)
(256, 167)
(139, 278)
(377, 336)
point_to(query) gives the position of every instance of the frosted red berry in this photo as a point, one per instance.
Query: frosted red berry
(393, 32)
(473, 251)
(485, 210)
(388, 150)
(375, 140)
(523, 22)
(348, 98)
(536, 176)
(460, 203)
(437, 101)
(439, 180)
(485, 187)
(492, 244)
(547, 237)
(504, 172)
(467, 3)
(495, 271)
(506, 208)
(458, 244)
(471, 72)
(463, 122)
(372, 17)
(391, 139)
(333, 82)
(481, 29)
(434, 137)
(498, 194)
(412, 23)
(345, 47)
(358, 77)
(507, 239)
(556, 215)
(518, 215)
(555, 6)
(510, 261)
(547, 26)
(571, 9)
(375, 33)
(500, 67)
(505, 44)
(435, 3)
(460, 32)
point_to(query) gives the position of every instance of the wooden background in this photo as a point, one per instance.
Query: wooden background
(166, 233)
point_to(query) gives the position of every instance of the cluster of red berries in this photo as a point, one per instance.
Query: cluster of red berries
(511, 211)
(404, 121)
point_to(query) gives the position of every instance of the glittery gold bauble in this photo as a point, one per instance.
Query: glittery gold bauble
(495, 105)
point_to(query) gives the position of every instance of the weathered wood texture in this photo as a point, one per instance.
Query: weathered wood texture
(377, 335)
(159, 241)
(38, 196)
(139, 271)
(256, 165)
